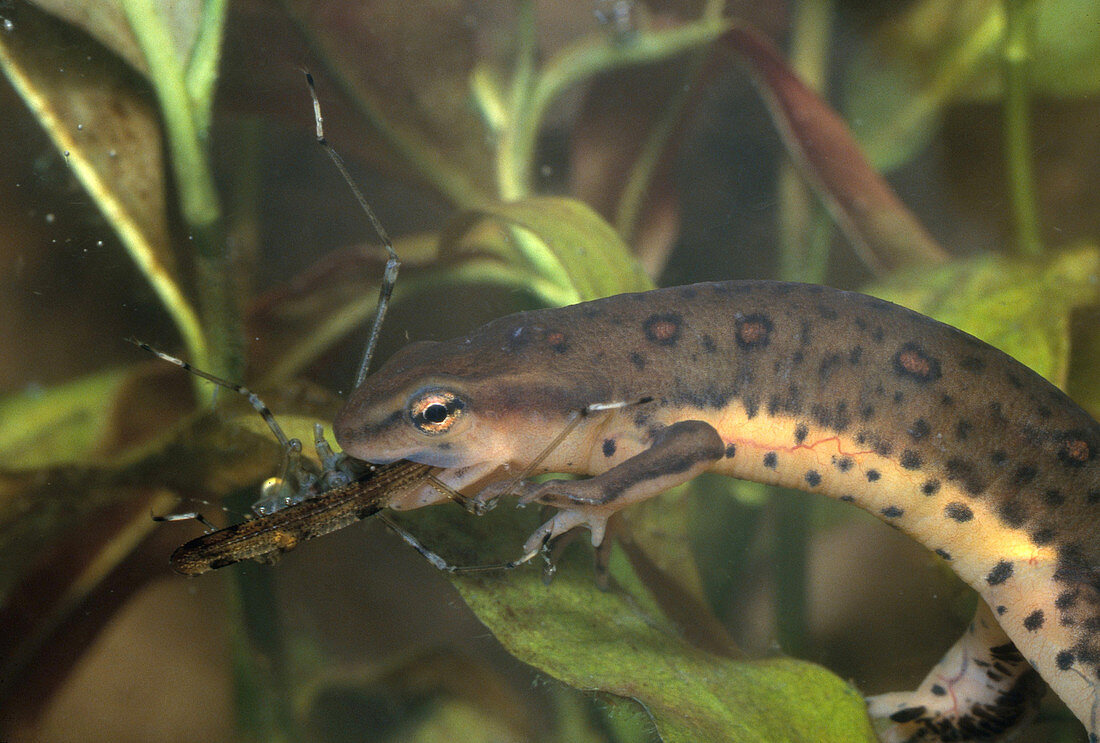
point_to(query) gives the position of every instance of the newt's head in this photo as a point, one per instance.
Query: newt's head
(410, 409)
(494, 398)
(448, 404)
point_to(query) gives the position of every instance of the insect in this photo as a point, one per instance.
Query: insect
(304, 503)
(265, 538)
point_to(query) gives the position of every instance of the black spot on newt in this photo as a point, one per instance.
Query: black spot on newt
(753, 331)
(826, 312)
(892, 512)
(1064, 660)
(1066, 599)
(1001, 572)
(637, 359)
(998, 458)
(731, 451)
(944, 554)
(1042, 537)
(873, 475)
(1024, 474)
(938, 690)
(609, 447)
(908, 715)
(1053, 497)
(958, 511)
(800, 433)
(910, 460)
(855, 355)
(963, 429)
(867, 412)
(813, 478)
(912, 362)
(708, 344)
(960, 469)
(919, 429)
(663, 328)
(1001, 610)
(843, 463)
(775, 404)
(828, 364)
(930, 487)
(771, 460)
(847, 499)
(1012, 513)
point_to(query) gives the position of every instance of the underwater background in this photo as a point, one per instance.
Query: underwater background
(162, 181)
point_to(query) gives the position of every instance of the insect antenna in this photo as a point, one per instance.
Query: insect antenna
(253, 399)
(389, 275)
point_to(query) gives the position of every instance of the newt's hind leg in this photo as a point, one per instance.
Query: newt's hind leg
(677, 454)
(982, 690)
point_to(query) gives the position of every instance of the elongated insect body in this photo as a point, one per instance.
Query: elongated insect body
(266, 538)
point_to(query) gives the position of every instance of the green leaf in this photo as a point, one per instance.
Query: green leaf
(618, 642)
(110, 136)
(940, 52)
(46, 427)
(559, 250)
(1021, 307)
(562, 241)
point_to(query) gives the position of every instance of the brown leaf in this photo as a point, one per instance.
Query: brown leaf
(883, 231)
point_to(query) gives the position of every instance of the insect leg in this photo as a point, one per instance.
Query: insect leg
(389, 276)
(441, 564)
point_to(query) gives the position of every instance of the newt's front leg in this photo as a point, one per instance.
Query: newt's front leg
(677, 454)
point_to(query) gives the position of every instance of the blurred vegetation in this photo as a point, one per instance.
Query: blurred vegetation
(528, 155)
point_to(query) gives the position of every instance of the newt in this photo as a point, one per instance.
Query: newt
(931, 430)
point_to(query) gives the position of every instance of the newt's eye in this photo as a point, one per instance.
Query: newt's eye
(435, 411)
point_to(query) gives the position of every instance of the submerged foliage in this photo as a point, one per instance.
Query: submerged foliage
(460, 104)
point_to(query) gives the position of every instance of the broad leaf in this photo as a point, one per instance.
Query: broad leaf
(561, 241)
(941, 52)
(619, 643)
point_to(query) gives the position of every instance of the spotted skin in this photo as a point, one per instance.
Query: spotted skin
(931, 430)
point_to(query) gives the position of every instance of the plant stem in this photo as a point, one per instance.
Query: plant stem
(258, 655)
(805, 234)
(1019, 27)
(194, 181)
(514, 160)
